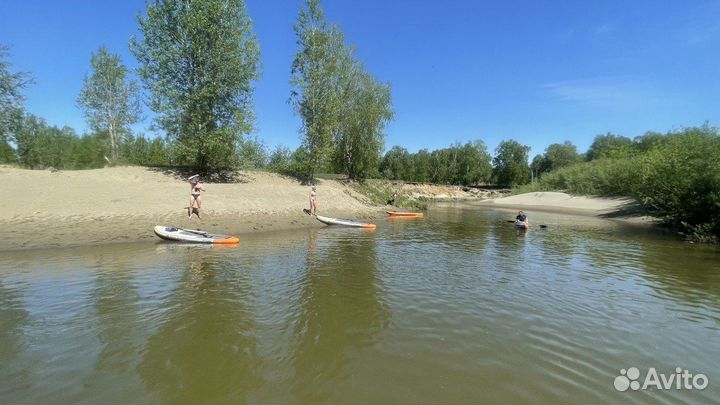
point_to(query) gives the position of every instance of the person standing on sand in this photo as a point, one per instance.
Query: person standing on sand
(195, 188)
(313, 202)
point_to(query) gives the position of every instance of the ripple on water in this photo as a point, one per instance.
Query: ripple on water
(455, 308)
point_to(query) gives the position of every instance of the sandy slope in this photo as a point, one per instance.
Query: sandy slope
(43, 208)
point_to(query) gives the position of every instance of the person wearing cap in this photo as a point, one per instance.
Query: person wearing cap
(195, 188)
(521, 217)
(313, 202)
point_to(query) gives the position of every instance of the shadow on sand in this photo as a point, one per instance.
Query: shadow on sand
(217, 176)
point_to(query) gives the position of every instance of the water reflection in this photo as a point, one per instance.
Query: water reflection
(342, 312)
(121, 330)
(455, 308)
(205, 349)
(13, 319)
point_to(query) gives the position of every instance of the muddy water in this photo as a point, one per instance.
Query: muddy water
(456, 308)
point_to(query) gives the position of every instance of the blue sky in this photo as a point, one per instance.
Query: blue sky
(540, 72)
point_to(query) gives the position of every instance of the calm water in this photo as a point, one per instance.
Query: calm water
(455, 308)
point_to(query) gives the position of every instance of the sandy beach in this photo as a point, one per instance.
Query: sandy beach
(122, 204)
(622, 208)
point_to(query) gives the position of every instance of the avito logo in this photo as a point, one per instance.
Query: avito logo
(679, 380)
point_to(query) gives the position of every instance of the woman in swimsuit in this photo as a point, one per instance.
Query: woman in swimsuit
(195, 188)
(313, 202)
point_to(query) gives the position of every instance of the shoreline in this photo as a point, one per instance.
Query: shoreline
(621, 209)
(124, 229)
(123, 204)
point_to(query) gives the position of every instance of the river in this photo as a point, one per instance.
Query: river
(458, 307)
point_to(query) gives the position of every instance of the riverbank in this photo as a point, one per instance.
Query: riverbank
(621, 208)
(417, 195)
(44, 208)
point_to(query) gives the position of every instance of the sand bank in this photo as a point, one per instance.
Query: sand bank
(623, 208)
(66, 208)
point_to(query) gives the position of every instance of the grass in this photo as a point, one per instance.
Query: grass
(379, 192)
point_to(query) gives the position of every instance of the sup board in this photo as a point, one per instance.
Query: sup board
(343, 222)
(405, 214)
(194, 236)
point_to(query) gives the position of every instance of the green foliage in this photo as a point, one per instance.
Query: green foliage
(396, 164)
(11, 98)
(466, 164)
(315, 77)
(510, 164)
(143, 152)
(609, 145)
(607, 177)
(343, 108)
(556, 156)
(41, 146)
(681, 177)
(279, 160)
(7, 153)
(253, 154)
(109, 99)
(198, 58)
(676, 176)
(364, 111)
(381, 191)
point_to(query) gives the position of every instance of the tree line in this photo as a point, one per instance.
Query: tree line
(197, 62)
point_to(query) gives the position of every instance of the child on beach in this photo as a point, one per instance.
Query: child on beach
(195, 188)
(313, 202)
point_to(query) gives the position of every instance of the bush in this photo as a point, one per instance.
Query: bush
(676, 178)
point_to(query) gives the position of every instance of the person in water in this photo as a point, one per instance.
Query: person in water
(521, 217)
(195, 188)
(313, 201)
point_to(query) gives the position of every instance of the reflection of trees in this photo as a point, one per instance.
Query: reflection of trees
(13, 318)
(116, 303)
(205, 350)
(341, 313)
(688, 275)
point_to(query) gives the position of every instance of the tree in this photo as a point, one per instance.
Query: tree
(253, 153)
(11, 98)
(280, 160)
(198, 58)
(560, 155)
(396, 164)
(7, 153)
(510, 164)
(42, 146)
(109, 98)
(538, 166)
(605, 146)
(473, 163)
(315, 78)
(159, 155)
(364, 111)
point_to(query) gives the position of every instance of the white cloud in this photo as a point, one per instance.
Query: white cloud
(603, 92)
(604, 29)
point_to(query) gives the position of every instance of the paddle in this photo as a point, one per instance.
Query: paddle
(513, 221)
(203, 233)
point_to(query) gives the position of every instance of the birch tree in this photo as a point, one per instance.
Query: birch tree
(109, 98)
